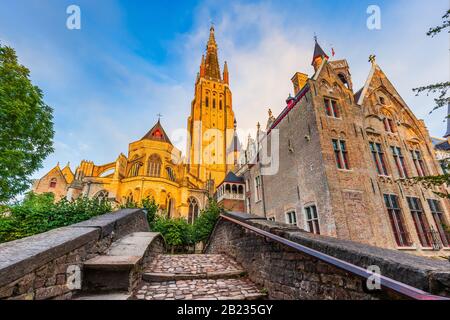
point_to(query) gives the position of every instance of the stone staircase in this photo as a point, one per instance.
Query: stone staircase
(196, 277)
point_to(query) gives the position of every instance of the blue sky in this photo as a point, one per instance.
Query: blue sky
(134, 59)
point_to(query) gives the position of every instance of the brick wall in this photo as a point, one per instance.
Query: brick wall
(289, 274)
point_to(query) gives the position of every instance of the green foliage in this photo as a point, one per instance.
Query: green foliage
(38, 213)
(441, 100)
(149, 204)
(26, 130)
(205, 223)
(177, 232)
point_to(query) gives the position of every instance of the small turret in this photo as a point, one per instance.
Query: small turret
(319, 56)
(226, 75)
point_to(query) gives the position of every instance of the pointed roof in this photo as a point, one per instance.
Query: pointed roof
(232, 178)
(212, 68)
(157, 133)
(67, 173)
(318, 52)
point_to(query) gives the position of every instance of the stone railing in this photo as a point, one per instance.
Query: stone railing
(293, 264)
(50, 265)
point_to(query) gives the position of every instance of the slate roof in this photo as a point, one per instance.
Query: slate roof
(157, 133)
(232, 178)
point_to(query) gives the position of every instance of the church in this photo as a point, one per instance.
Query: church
(154, 167)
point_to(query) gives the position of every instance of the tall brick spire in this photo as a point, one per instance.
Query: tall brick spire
(212, 69)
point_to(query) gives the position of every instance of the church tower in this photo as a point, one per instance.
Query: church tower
(211, 123)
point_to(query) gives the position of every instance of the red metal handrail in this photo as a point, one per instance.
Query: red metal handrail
(399, 287)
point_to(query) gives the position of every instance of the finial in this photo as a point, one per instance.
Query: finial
(315, 37)
(159, 115)
(372, 59)
(270, 113)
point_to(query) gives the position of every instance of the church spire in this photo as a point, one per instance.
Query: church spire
(212, 69)
(226, 75)
(318, 56)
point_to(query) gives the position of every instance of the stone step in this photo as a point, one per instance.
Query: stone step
(202, 289)
(163, 277)
(195, 266)
(121, 267)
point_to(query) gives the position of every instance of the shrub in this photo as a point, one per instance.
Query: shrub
(206, 221)
(39, 213)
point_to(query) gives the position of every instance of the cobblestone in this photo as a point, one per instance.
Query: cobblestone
(193, 264)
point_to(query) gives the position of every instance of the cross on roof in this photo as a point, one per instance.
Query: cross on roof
(159, 115)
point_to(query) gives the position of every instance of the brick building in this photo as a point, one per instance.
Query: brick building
(344, 162)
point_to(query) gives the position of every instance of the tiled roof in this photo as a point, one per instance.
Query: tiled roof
(157, 133)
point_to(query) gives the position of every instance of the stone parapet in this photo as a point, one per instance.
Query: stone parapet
(50, 265)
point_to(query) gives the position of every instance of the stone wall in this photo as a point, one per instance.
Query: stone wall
(47, 265)
(290, 274)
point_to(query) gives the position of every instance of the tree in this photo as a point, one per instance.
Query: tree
(26, 130)
(441, 88)
(442, 100)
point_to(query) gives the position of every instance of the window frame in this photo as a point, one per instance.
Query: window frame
(341, 154)
(291, 217)
(258, 189)
(439, 219)
(378, 157)
(420, 220)
(332, 108)
(312, 220)
(397, 221)
(419, 164)
(400, 163)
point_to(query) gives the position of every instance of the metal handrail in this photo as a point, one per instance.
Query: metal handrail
(399, 287)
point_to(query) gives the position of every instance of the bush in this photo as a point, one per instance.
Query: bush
(206, 221)
(39, 213)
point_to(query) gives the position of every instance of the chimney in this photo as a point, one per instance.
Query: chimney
(299, 81)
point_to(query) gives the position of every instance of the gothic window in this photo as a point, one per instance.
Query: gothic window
(53, 183)
(220, 105)
(170, 174)
(420, 221)
(312, 219)
(258, 189)
(418, 163)
(214, 103)
(291, 218)
(399, 162)
(193, 210)
(341, 154)
(397, 222)
(207, 102)
(332, 108)
(135, 168)
(438, 216)
(378, 158)
(102, 195)
(154, 166)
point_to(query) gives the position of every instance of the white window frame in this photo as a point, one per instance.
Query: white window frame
(306, 220)
(288, 216)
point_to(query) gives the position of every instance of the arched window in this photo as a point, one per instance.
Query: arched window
(220, 105)
(214, 103)
(154, 166)
(129, 198)
(101, 195)
(135, 168)
(241, 190)
(207, 102)
(170, 174)
(343, 79)
(193, 210)
(234, 189)
(53, 183)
